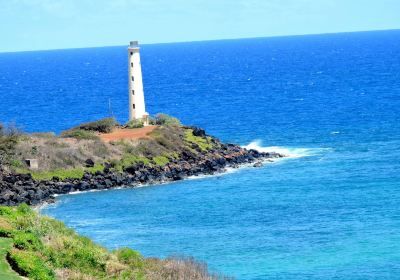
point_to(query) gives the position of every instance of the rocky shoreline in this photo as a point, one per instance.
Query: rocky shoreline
(22, 188)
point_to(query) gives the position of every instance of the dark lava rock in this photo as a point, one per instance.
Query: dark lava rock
(89, 162)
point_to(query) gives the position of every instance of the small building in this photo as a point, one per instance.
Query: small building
(32, 163)
(137, 109)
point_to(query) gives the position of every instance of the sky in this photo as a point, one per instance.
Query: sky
(58, 24)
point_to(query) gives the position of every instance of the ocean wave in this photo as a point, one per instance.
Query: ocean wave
(289, 152)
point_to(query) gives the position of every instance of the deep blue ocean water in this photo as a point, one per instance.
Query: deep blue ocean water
(331, 211)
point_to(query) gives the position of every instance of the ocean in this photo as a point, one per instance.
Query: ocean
(332, 102)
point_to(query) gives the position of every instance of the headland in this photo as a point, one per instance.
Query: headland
(104, 155)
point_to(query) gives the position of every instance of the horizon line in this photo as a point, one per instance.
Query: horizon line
(207, 40)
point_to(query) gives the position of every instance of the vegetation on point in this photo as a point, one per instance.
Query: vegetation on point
(204, 143)
(42, 248)
(134, 124)
(66, 157)
(79, 134)
(164, 119)
(161, 160)
(105, 125)
(87, 131)
(5, 271)
(62, 174)
(9, 138)
(129, 160)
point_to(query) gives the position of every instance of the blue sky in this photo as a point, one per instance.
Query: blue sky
(55, 24)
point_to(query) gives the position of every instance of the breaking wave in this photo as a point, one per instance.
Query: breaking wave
(290, 152)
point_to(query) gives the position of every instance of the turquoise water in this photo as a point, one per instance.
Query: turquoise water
(330, 211)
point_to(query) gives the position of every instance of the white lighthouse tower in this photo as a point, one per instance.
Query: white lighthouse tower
(137, 110)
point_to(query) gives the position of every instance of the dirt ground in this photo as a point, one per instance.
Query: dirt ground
(126, 133)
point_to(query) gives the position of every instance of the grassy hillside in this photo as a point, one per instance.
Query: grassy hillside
(5, 270)
(42, 248)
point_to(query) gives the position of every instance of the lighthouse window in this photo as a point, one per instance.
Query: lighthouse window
(133, 106)
(131, 53)
(131, 64)
(133, 78)
(133, 92)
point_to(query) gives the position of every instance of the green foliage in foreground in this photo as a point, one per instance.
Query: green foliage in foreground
(5, 270)
(29, 263)
(42, 248)
(45, 249)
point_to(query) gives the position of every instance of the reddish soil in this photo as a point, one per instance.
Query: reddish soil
(126, 133)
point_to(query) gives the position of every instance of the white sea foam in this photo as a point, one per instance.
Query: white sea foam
(289, 152)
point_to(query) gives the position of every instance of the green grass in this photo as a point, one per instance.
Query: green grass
(74, 173)
(39, 246)
(42, 248)
(128, 160)
(5, 271)
(203, 143)
(30, 264)
(160, 160)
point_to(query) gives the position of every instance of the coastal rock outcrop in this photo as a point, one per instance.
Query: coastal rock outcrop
(22, 188)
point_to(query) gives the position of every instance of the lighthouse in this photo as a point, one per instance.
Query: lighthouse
(137, 110)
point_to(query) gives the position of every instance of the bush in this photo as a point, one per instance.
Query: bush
(104, 125)
(164, 119)
(29, 264)
(23, 208)
(5, 228)
(9, 137)
(27, 241)
(160, 160)
(130, 257)
(79, 134)
(203, 142)
(134, 124)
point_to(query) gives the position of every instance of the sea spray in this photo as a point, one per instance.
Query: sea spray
(288, 152)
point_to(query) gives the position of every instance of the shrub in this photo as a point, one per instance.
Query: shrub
(130, 257)
(9, 137)
(134, 124)
(160, 160)
(76, 252)
(5, 228)
(26, 241)
(164, 119)
(105, 125)
(79, 134)
(129, 160)
(202, 142)
(16, 163)
(29, 264)
(23, 208)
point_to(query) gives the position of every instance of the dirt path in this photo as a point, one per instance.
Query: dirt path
(135, 133)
